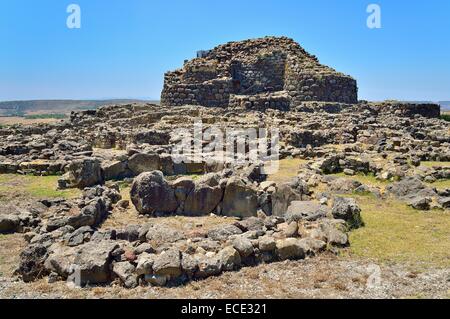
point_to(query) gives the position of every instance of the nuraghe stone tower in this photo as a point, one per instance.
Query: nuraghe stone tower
(271, 72)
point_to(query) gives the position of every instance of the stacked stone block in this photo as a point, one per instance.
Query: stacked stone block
(256, 67)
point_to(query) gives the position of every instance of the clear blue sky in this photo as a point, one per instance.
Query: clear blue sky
(124, 47)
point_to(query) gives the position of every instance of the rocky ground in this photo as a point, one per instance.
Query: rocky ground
(359, 207)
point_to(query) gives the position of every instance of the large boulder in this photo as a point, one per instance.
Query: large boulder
(202, 200)
(151, 194)
(286, 193)
(60, 259)
(183, 186)
(208, 266)
(115, 170)
(91, 215)
(410, 187)
(348, 210)
(9, 223)
(160, 234)
(83, 173)
(92, 262)
(240, 199)
(289, 248)
(31, 265)
(168, 264)
(230, 258)
(127, 274)
(140, 163)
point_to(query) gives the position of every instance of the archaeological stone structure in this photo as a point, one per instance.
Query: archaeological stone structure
(142, 218)
(271, 72)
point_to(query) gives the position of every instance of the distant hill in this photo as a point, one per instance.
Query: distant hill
(11, 108)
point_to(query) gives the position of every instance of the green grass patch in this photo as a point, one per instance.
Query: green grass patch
(435, 164)
(394, 232)
(441, 184)
(445, 117)
(39, 187)
(368, 180)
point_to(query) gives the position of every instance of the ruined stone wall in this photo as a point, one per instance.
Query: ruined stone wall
(263, 74)
(321, 87)
(261, 102)
(256, 67)
(214, 93)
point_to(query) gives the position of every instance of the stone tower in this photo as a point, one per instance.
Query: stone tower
(271, 72)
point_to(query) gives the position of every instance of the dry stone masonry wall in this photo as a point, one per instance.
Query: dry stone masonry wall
(244, 74)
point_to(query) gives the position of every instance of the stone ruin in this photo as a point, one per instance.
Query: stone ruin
(270, 82)
(271, 72)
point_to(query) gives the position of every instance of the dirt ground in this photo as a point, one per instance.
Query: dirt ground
(400, 253)
(11, 120)
(322, 277)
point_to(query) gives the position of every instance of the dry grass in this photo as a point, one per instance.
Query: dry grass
(395, 232)
(14, 186)
(120, 218)
(6, 120)
(368, 180)
(288, 169)
(435, 164)
(441, 185)
(10, 248)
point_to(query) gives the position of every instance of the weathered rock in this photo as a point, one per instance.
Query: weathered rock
(126, 272)
(267, 244)
(141, 163)
(289, 248)
(115, 170)
(208, 266)
(83, 173)
(202, 200)
(288, 229)
(31, 265)
(243, 246)
(221, 233)
(189, 265)
(92, 262)
(79, 236)
(283, 197)
(348, 210)
(420, 202)
(229, 258)
(312, 246)
(9, 223)
(332, 232)
(168, 263)
(306, 210)
(151, 194)
(160, 234)
(239, 199)
(252, 223)
(145, 263)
